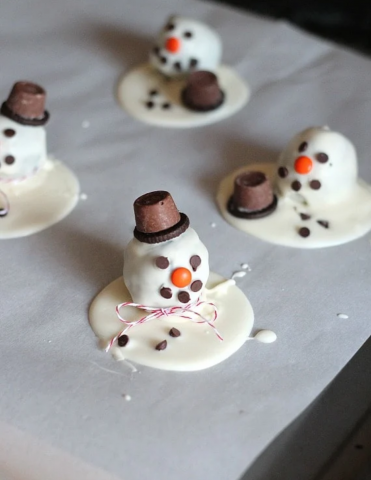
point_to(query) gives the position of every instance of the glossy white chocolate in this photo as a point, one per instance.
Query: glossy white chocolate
(144, 279)
(195, 349)
(343, 202)
(27, 146)
(198, 47)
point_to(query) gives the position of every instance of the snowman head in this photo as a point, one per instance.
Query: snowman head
(22, 136)
(318, 166)
(164, 267)
(185, 45)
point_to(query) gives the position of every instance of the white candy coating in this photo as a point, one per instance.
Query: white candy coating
(27, 146)
(197, 42)
(144, 279)
(337, 176)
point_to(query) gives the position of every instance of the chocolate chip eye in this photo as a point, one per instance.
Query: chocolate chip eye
(162, 262)
(187, 34)
(322, 157)
(303, 146)
(9, 132)
(170, 27)
(195, 262)
(9, 159)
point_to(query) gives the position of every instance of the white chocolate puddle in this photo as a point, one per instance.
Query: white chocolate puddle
(134, 92)
(40, 201)
(347, 220)
(195, 349)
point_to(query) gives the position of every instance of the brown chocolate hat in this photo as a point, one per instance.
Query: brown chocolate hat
(252, 196)
(202, 92)
(26, 104)
(157, 218)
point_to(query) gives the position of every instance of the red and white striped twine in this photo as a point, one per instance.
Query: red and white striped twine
(5, 210)
(155, 313)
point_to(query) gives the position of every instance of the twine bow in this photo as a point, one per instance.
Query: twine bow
(188, 311)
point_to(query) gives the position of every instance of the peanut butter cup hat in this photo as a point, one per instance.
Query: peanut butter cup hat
(252, 196)
(26, 104)
(157, 218)
(202, 92)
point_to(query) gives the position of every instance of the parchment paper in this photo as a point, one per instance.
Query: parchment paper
(56, 386)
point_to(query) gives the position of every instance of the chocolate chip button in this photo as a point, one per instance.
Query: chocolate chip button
(304, 216)
(166, 105)
(283, 172)
(184, 297)
(196, 286)
(153, 93)
(323, 223)
(193, 62)
(9, 132)
(178, 66)
(161, 346)
(163, 60)
(303, 146)
(9, 159)
(304, 232)
(296, 185)
(315, 184)
(174, 332)
(123, 340)
(150, 104)
(166, 292)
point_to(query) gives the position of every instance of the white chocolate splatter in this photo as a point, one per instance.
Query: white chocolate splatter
(239, 274)
(342, 315)
(265, 336)
(246, 266)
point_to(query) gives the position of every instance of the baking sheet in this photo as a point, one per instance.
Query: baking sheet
(56, 386)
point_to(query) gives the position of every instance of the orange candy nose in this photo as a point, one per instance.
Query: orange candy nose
(172, 44)
(181, 277)
(303, 165)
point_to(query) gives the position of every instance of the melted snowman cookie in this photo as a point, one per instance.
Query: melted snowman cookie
(168, 311)
(321, 202)
(35, 192)
(154, 92)
(185, 45)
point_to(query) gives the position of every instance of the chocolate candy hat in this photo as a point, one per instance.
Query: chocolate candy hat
(202, 92)
(26, 104)
(252, 196)
(157, 218)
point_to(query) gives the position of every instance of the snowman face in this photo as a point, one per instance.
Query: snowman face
(22, 149)
(168, 273)
(185, 45)
(318, 166)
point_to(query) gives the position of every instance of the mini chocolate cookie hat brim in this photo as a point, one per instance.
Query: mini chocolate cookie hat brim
(25, 104)
(164, 235)
(251, 214)
(33, 122)
(202, 92)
